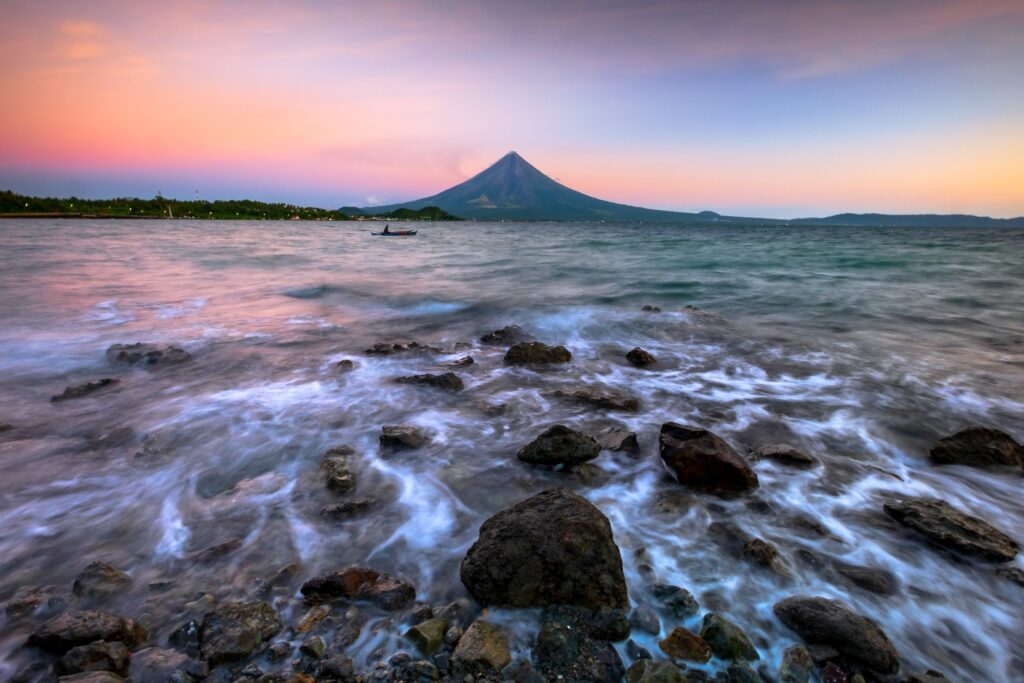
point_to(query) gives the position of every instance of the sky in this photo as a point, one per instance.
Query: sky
(782, 108)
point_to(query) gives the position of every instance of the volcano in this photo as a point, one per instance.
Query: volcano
(513, 189)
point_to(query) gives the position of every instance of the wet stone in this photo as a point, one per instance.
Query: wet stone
(530, 353)
(618, 439)
(560, 445)
(682, 644)
(87, 389)
(147, 355)
(506, 336)
(387, 348)
(742, 672)
(234, 630)
(157, 665)
(97, 656)
(645, 619)
(463, 362)
(872, 580)
(945, 526)
(360, 583)
(765, 555)
(600, 397)
(797, 665)
(403, 436)
(637, 651)
(726, 639)
(483, 648)
(641, 358)
(345, 365)
(675, 601)
(978, 447)
(648, 671)
(313, 646)
(81, 627)
(647, 308)
(338, 475)
(312, 618)
(346, 510)
(27, 599)
(428, 636)
(702, 461)
(569, 648)
(784, 454)
(447, 381)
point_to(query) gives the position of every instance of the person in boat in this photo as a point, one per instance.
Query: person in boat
(387, 229)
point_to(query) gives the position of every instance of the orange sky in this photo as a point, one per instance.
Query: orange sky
(755, 108)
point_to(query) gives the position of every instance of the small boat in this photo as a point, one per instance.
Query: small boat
(395, 233)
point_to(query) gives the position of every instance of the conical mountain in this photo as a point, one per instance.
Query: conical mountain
(513, 189)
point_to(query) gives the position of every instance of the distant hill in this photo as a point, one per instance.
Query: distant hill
(513, 189)
(427, 213)
(924, 220)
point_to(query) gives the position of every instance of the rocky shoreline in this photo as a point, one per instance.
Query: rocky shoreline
(552, 555)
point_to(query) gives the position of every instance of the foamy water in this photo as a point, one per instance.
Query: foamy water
(860, 346)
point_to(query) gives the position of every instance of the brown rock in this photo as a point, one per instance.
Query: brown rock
(403, 436)
(682, 644)
(482, 648)
(360, 583)
(704, 462)
(447, 381)
(944, 525)
(785, 454)
(978, 447)
(618, 439)
(641, 358)
(600, 397)
(81, 627)
(536, 353)
(560, 445)
(99, 579)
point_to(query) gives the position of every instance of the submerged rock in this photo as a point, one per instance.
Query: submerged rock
(463, 362)
(158, 665)
(676, 601)
(403, 436)
(483, 648)
(388, 348)
(147, 355)
(830, 622)
(86, 389)
(978, 447)
(536, 352)
(726, 639)
(447, 381)
(428, 635)
(944, 525)
(360, 583)
(338, 475)
(764, 554)
(345, 365)
(99, 579)
(97, 656)
(81, 627)
(872, 580)
(682, 644)
(704, 462)
(507, 336)
(234, 630)
(554, 548)
(600, 397)
(560, 445)
(27, 598)
(647, 671)
(640, 358)
(346, 509)
(797, 665)
(645, 619)
(785, 454)
(618, 439)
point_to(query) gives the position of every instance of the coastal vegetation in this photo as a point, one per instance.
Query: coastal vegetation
(17, 205)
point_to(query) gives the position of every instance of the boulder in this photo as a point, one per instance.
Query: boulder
(99, 580)
(676, 601)
(618, 439)
(536, 352)
(86, 389)
(507, 336)
(647, 308)
(313, 647)
(428, 635)
(641, 358)
(560, 445)
(978, 447)
(702, 461)
(645, 619)
(647, 671)
(785, 454)
(483, 648)
(345, 365)
(97, 656)
(81, 627)
(944, 525)
(403, 436)
(159, 665)
(797, 665)
(600, 397)
(338, 475)
(830, 622)
(447, 381)
(27, 598)
(726, 639)
(571, 647)
(360, 583)
(555, 548)
(463, 362)
(234, 630)
(147, 355)
(682, 644)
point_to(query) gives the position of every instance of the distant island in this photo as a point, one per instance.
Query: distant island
(13, 205)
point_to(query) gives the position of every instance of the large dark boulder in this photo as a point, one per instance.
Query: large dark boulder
(704, 462)
(978, 447)
(944, 525)
(360, 583)
(81, 627)
(234, 630)
(555, 548)
(820, 621)
(536, 352)
(560, 445)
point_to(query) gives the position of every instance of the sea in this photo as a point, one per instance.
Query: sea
(861, 346)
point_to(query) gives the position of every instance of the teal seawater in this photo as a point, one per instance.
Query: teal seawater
(862, 346)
